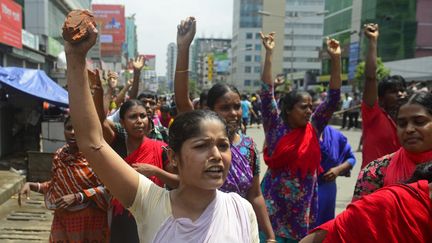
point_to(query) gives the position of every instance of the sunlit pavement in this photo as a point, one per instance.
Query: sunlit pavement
(345, 185)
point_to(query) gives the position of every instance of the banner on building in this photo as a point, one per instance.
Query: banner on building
(210, 59)
(150, 62)
(111, 21)
(354, 53)
(222, 63)
(10, 23)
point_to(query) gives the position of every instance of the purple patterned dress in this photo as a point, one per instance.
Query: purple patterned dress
(290, 199)
(244, 166)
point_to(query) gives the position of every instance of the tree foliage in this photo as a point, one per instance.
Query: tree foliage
(359, 77)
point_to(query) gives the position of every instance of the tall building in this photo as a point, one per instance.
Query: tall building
(171, 64)
(405, 30)
(210, 62)
(131, 47)
(301, 24)
(246, 45)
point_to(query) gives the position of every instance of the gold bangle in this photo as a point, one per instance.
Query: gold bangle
(182, 71)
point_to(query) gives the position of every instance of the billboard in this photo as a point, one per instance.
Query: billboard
(111, 22)
(150, 62)
(222, 62)
(10, 23)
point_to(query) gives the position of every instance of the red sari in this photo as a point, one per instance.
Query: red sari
(397, 213)
(149, 152)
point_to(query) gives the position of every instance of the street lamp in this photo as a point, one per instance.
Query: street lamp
(292, 20)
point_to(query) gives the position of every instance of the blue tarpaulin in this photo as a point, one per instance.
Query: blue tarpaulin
(36, 83)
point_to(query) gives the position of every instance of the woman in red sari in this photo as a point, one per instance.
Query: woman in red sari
(414, 129)
(129, 139)
(396, 213)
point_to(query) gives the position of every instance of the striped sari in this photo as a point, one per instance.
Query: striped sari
(80, 222)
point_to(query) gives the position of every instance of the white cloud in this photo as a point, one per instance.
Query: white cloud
(157, 22)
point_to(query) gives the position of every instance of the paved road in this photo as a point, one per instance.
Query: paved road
(345, 185)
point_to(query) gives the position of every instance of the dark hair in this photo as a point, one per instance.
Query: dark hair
(423, 171)
(147, 95)
(217, 91)
(390, 82)
(288, 101)
(127, 105)
(187, 125)
(67, 119)
(421, 98)
(203, 98)
(165, 108)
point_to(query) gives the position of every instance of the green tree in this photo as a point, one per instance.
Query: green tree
(381, 72)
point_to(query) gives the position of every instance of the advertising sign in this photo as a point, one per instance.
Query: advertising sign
(30, 40)
(10, 23)
(150, 62)
(222, 62)
(353, 59)
(111, 21)
(210, 66)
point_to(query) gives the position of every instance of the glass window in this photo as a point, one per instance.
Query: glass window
(257, 58)
(247, 82)
(257, 69)
(249, 35)
(248, 69)
(258, 47)
(248, 58)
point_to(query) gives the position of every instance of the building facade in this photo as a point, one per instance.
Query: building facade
(246, 45)
(171, 64)
(210, 62)
(131, 45)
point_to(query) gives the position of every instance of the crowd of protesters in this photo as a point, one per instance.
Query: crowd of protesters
(141, 168)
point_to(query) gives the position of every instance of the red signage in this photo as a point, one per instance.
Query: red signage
(111, 22)
(10, 23)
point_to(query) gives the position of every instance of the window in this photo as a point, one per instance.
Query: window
(248, 69)
(258, 47)
(247, 83)
(257, 36)
(248, 47)
(257, 58)
(257, 83)
(248, 58)
(257, 69)
(249, 35)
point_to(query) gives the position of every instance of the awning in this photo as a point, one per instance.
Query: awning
(36, 83)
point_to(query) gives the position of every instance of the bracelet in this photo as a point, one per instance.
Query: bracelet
(38, 187)
(271, 240)
(182, 71)
(82, 197)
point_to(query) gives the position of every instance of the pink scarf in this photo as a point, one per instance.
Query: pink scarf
(403, 164)
(226, 219)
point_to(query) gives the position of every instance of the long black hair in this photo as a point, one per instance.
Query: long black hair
(217, 91)
(127, 105)
(187, 125)
(288, 101)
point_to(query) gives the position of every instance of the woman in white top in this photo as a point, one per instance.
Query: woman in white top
(199, 148)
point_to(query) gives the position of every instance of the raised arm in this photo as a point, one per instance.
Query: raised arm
(334, 51)
(269, 44)
(122, 94)
(118, 176)
(100, 105)
(138, 64)
(325, 110)
(185, 34)
(370, 92)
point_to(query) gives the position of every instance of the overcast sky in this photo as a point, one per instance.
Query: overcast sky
(157, 22)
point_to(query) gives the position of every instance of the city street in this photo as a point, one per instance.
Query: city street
(345, 185)
(32, 221)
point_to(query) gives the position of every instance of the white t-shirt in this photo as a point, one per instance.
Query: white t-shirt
(152, 208)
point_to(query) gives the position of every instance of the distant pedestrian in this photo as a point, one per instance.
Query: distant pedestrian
(346, 103)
